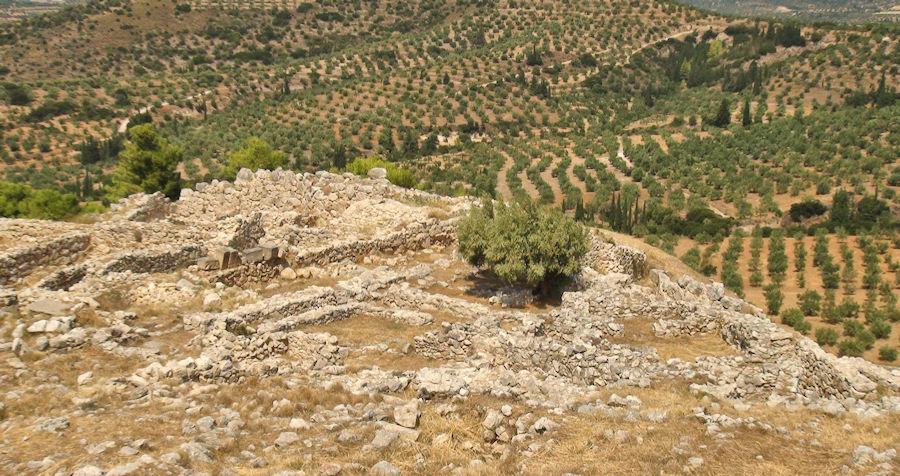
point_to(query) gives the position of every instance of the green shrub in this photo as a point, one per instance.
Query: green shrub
(395, 174)
(774, 298)
(21, 201)
(880, 329)
(826, 336)
(692, 258)
(255, 155)
(794, 318)
(810, 303)
(853, 327)
(93, 207)
(791, 316)
(866, 339)
(850, 348)
(523, 242)
(887, 353)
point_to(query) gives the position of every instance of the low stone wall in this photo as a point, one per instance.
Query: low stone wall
(809, 369)
(784, 362)
(412, 238)
(614, 258)
(155, 262)
(62, 250)
(64, 278)
(143, 207)
(249, 273)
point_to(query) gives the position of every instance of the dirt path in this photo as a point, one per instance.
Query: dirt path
(529, 187)
(123, 126)
(502, 185)
(621, 155)
(576, 161)
(547, 176)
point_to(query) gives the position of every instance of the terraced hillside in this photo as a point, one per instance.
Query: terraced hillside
(820, 10)
(654, 119)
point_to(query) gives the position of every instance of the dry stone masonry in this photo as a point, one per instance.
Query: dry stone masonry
(324, 284)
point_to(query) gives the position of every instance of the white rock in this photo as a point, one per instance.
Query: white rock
(85, 378)
(492, 420)
(286, 438)
(211, 299)
(408, 415)
(383, 468)
(377, 173)
(299, 424)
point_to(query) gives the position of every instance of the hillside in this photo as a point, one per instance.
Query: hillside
(284, 309)
(818, 10)
(705, 125)
(330, 327)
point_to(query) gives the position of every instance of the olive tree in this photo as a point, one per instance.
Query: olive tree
(523, 242)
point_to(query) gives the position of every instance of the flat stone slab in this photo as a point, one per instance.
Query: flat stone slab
(52, 307)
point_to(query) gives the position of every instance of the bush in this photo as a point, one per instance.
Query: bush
(850, 348)
(866, 339)
(22, 201)
(692, 258)
(807, 209)
(774, 298)
(887, 353)
(810, 303)
(794, 318)
(826, 336)
(395, 174)
(255, 155)
(93, 207)
(50, 109)
(791, 317)
(881, 329)
(16, 94)
(523, 242)
(852, 327)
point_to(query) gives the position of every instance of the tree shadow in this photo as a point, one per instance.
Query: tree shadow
(484, 284)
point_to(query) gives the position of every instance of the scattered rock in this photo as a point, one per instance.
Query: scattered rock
(286, 438)
(383, 468)
(408, 415)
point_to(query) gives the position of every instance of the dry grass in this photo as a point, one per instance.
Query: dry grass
(639, 332)
(366, 328)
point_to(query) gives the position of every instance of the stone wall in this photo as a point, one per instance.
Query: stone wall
(776, 360)
(614, 258)
(143, 261)
(249, 273)
(415, 237)
(143, 207)
(63, 250)
(809, 369)
(64, 278)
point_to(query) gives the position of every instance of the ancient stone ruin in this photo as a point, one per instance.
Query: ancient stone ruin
(272, 279)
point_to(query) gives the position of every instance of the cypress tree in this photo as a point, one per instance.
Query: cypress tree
(746, 119)
(723, 116)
